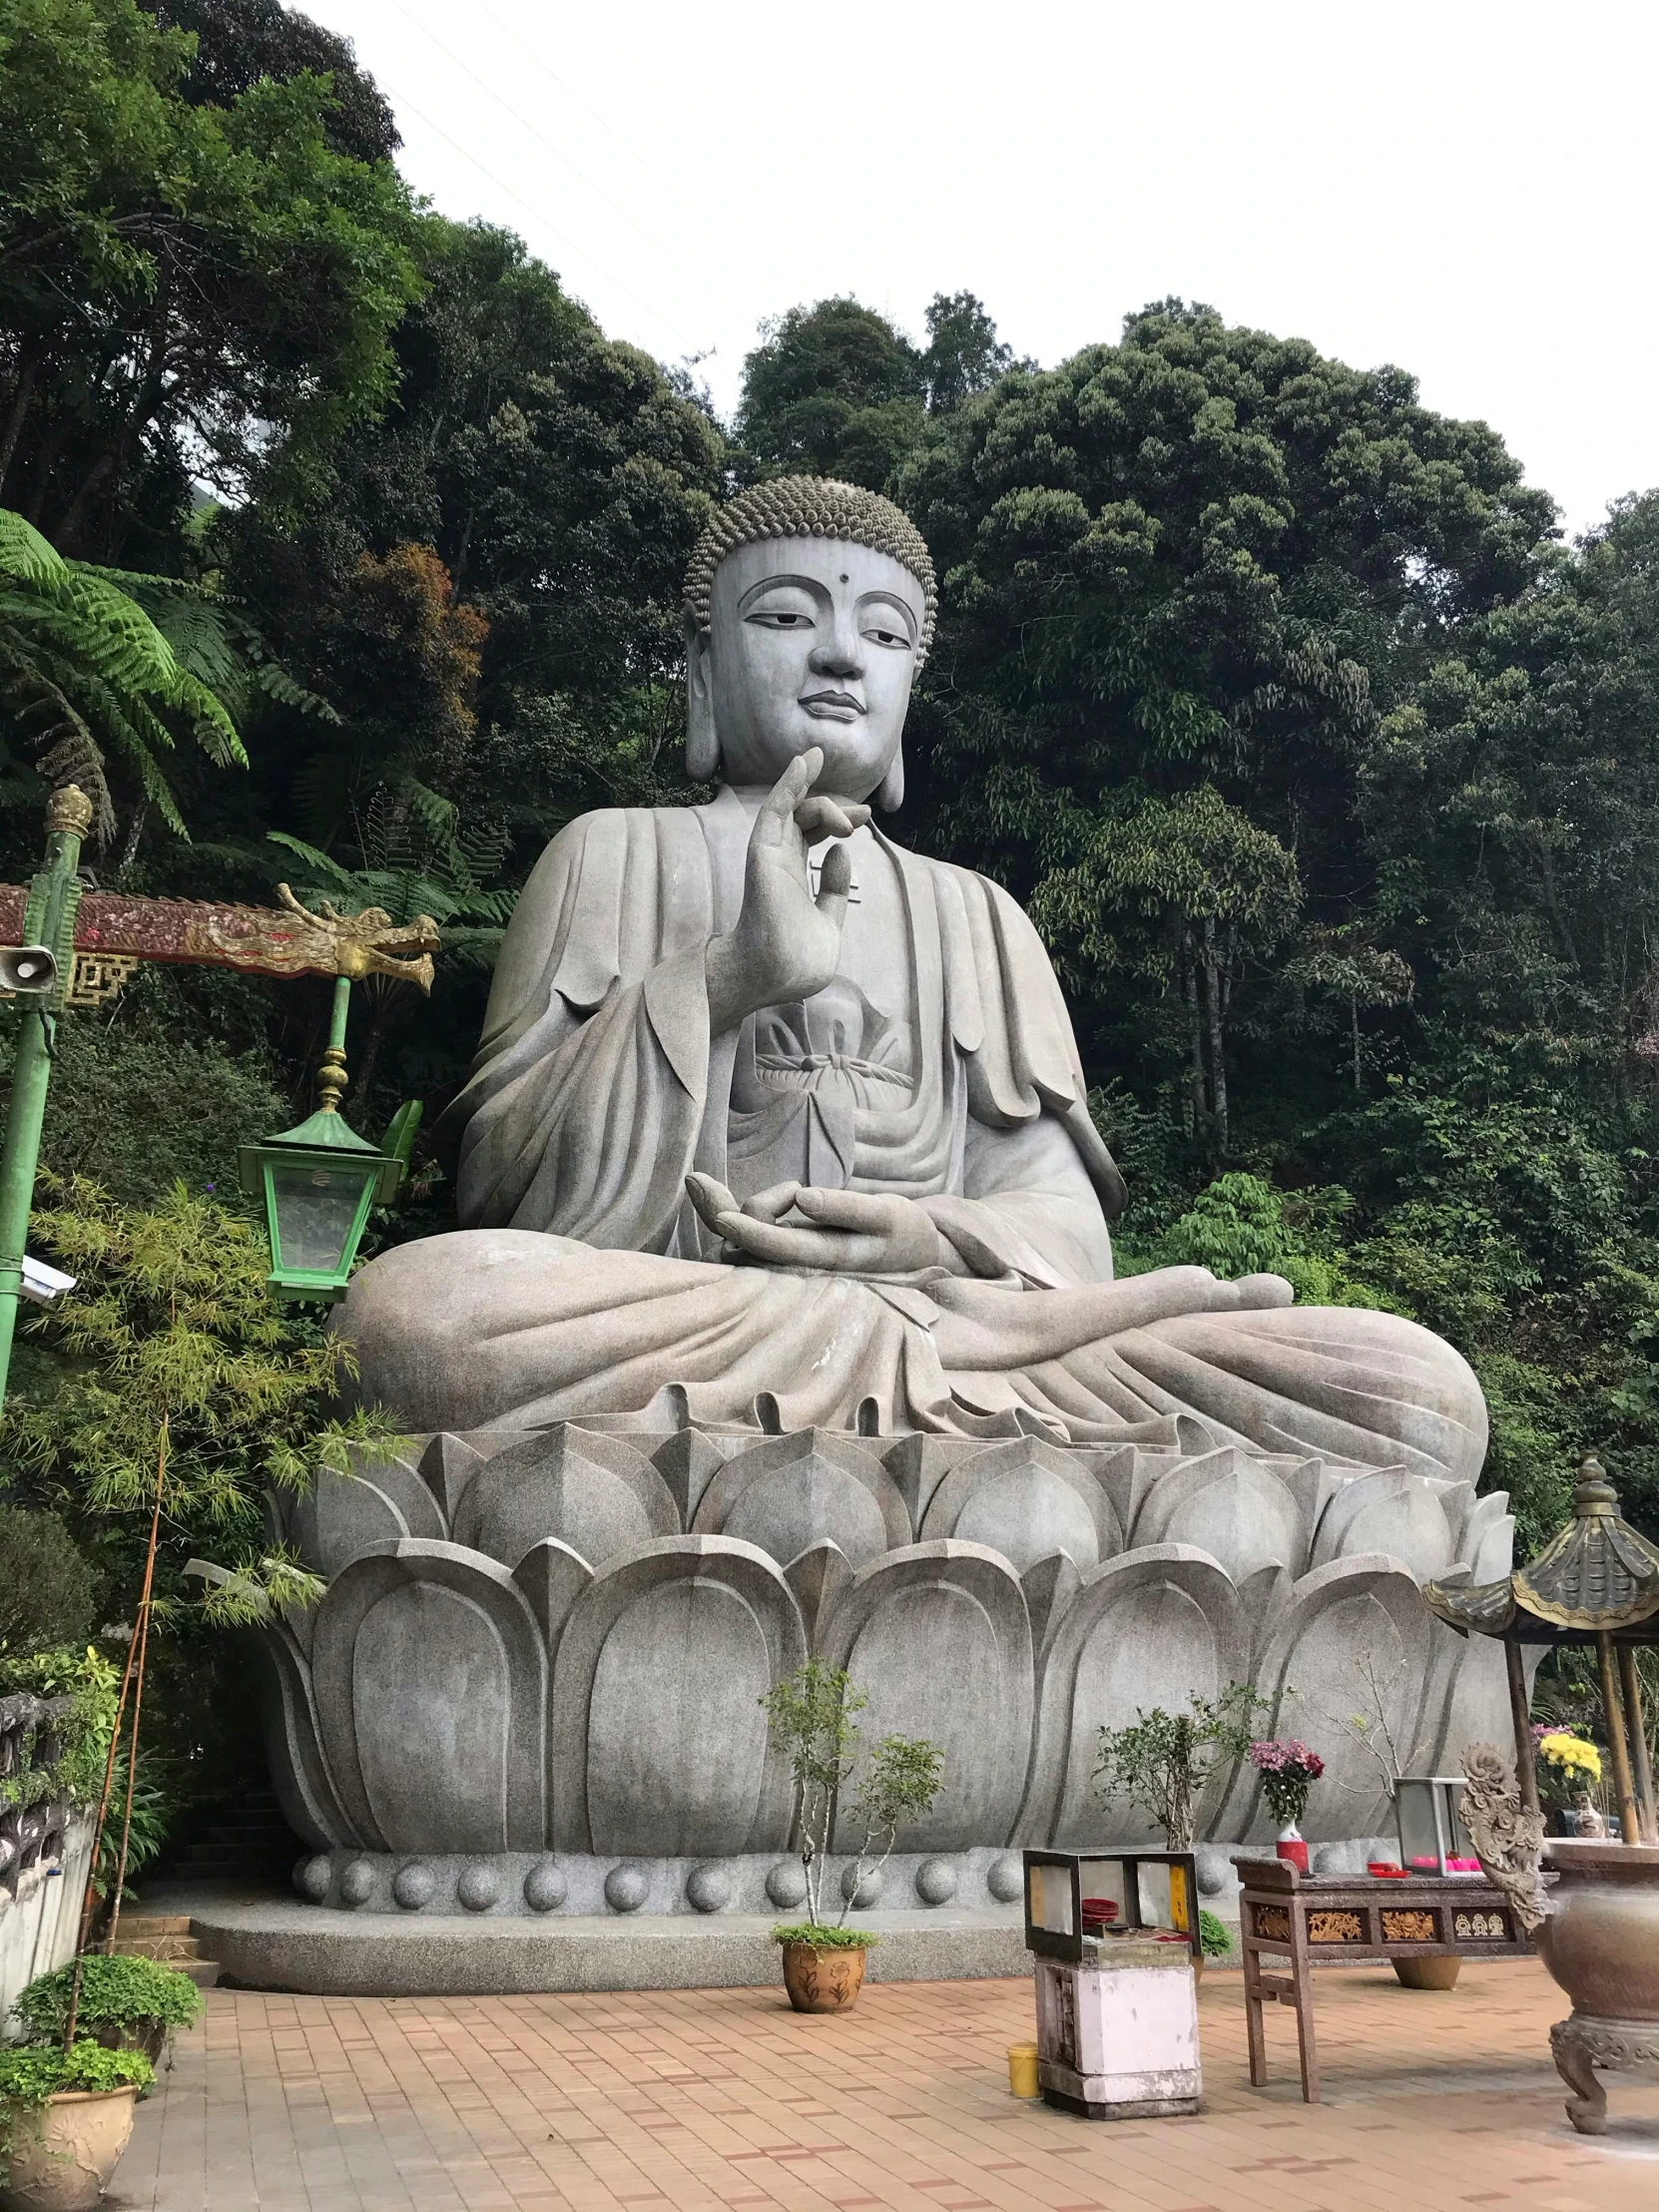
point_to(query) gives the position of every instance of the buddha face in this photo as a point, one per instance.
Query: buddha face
(811, 641)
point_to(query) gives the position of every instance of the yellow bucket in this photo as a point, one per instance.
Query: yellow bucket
(1022, 2070)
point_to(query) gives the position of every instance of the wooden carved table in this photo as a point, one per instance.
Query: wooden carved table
(1349, 1920)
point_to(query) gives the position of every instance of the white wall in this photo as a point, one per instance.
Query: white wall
(39, 1926)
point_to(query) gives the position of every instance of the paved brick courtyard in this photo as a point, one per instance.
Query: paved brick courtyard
(726, 2098)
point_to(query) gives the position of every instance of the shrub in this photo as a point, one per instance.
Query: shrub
(1215, 1938)
(46, 1587)
(114, 1994)
(83, 1733)
(826, 1938)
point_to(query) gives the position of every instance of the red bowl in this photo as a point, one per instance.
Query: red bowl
(1386, 1871)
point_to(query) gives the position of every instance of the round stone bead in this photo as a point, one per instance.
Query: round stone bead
(624, 1889)
(545, 1887)
(356, 1883)
(479, 1886)
(708, 1889)
(312, 1877)
(1213, 1868)
(786, 1885)
(936, 1881)
(414, 1886)
(868, 1891)
(1005, 1878)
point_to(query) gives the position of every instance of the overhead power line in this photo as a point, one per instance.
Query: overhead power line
(540, 216)
(673, 259)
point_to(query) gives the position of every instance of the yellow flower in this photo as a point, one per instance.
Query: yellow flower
(1572, 1752)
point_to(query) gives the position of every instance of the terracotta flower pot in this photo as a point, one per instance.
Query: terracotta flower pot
(64, 2151)
(822, 1977)
(1427, 1973)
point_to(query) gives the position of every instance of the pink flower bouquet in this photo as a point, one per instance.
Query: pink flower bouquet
(1289, 1771)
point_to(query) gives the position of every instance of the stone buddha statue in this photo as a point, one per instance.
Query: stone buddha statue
(777, 1125)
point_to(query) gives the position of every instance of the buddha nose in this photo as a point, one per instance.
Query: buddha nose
(841, 652)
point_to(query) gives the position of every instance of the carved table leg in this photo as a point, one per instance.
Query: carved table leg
(1582, 2043)
(1587, 2106)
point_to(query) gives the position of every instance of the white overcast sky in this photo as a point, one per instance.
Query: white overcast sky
(1467, 188)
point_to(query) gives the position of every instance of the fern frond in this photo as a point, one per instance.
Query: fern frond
(24, 553)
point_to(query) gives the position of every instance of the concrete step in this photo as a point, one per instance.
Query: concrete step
(251, 1838)
(203, 1971)
(154, 1923)
(165, 1951)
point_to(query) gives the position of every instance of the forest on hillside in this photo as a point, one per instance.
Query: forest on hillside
(1327, 770)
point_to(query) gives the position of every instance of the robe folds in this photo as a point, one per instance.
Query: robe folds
(943, 1069)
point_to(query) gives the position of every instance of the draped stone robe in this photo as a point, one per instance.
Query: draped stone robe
(939, 1064)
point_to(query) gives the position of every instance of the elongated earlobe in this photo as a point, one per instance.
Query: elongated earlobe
(891, 796)
(702, 738)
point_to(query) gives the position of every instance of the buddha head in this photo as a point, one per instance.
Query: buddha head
(810, 606)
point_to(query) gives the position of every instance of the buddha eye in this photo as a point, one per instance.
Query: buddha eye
(781, 618)
(893, 640)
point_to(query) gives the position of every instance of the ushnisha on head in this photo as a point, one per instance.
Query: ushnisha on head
(810, 606)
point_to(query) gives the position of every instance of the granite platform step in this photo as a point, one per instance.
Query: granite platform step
(268, 1941)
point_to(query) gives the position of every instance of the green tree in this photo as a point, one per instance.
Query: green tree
(238, 42)
(832, 390)
(963, 355)
(1199, 561)
(184, 289)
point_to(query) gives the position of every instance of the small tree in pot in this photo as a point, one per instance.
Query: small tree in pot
(811, 1718)
(1163, 1762)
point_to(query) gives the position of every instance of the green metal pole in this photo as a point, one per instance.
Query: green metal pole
(331, 1077)
(50, 921)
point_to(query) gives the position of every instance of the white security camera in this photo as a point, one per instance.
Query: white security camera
(43, 1284)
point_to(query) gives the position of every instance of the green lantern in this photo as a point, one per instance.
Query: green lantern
(318, 1181)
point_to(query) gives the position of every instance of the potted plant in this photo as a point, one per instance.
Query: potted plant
(124, 2003)
(65, 2116)
(1289, 1771)
(1163, 1762)
(1568, 1767)
(811, 1718)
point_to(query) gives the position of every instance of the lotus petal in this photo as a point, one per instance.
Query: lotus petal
(342, 1515)
(795, 1491)
(1025, 1500)
(430, 1679)
(593, 1491)
(1151, 1627)
(552, 1578)
(817, 1577)
(1230, 1505)
(1390, 1511)
(1354, 1640)
(659, 1743)
(293, 1745)
(937, 1634)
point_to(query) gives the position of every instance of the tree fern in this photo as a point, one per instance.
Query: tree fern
(101, 666)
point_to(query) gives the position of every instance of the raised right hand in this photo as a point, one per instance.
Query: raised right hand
(785, 945)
